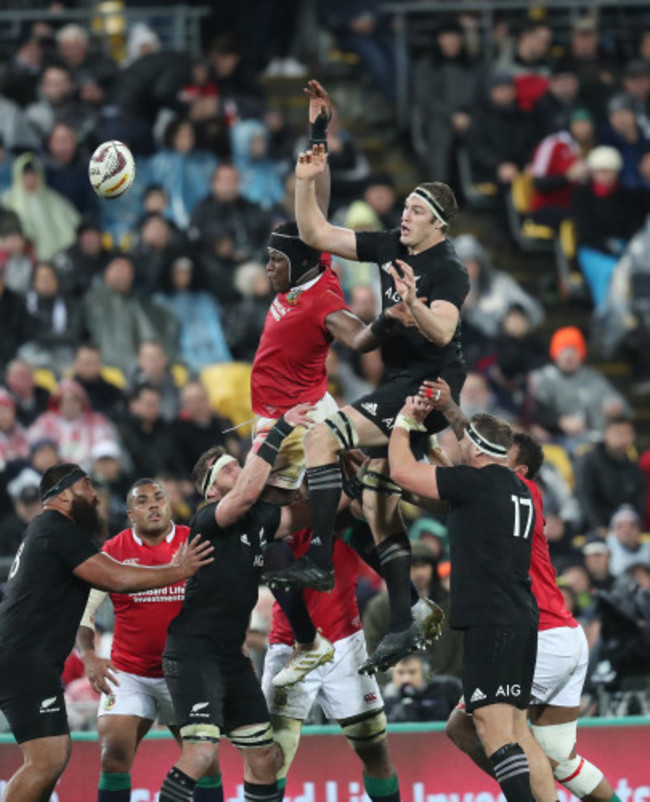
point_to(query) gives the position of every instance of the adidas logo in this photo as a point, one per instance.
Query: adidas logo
(244, 539)
(316, 541)
(370, 407)
(477, 696)
(199, 706)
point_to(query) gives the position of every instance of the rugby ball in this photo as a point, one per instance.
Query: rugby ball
(111, 170)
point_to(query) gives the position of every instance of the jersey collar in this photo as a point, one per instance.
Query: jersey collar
(168, 539)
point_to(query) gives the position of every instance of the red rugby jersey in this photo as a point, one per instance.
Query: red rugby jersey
(142, 619)
(552, 610)
(289, 366)
(336, 613)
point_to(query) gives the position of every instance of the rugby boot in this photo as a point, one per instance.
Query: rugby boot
(429, 618)
(303, 573)
(392, 648)
(302, 661)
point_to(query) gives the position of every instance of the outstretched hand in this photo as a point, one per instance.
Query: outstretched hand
(437, 392)
(402, 313)
(405, 283)
(194, 555)
(311, 163)
(300, 415)
(319, 101)
(416, 408)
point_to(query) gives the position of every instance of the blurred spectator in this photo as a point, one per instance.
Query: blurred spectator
(571, 401)
(575, 577)
(259, 176)
(146, 436)
(198, 427)
(529, 63)
(86, 67)
(597, 557)
(562, 515)
(83, 263)
(608, 476)
(53, 321)
(26, 499)
(624, 133)
(12, 321)
(499, 138)
(160, 243)
(43, 454)
(72, 424)
(552, 111)
(47, 219)
(13, 437)
(272, 35)
(153, 369)
(361, 27)
(17, 260)
(477, 396)
(240, 92)
(118, 319)
(596, 71)
(30, 399)
(558, 166)
(6, 165)
(368, 367)
(15, 132)
(226, 212)
(245, 318)
(182, 170)
(180, 494)
(57, 104)
(636, 85)
(108, 472)
(66, 171)
(381, 196)
(445, 85)
(411, 697)
(104, 396)
(358, 216)
(624, 540)
(202, 338)
(607, 216)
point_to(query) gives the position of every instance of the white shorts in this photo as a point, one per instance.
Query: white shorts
(337, 686)
(289, 467)
(561, 667)
(144, 697)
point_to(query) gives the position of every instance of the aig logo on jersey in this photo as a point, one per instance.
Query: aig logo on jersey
(508, 690)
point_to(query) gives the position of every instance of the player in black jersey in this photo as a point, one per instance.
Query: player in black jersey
(47, 590)
(490, 523)
(212, 684)
(433, 284)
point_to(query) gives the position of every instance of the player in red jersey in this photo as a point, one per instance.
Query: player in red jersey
(562, 650)
(352, 699)
(133, 689)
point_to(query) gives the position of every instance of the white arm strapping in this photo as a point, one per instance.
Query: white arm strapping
(95, 600)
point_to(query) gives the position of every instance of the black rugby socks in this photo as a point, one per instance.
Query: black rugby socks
(362, 542)
(395, 560)
(512, 772)
(325, 484)
(177, 787)
(261, 793)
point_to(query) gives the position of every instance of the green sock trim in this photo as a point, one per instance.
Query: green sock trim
(213, 781)
(615, 798)
(114, 782)
(376, 786)
(282, 784)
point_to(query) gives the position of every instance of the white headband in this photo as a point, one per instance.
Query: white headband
(484, 445)
(432, 204)
(214, 471)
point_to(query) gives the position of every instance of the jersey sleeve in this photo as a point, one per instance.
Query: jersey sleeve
(205, 524)
(72, 546)
(371, 245)
(452, 285)
(329, 302)
(458, 484)
(270, 515)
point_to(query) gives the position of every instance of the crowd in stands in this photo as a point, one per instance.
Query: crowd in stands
(117, 319)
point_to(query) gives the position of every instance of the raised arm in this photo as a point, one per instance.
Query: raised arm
(320, 113)
(438, 393)
(312, 225)
(411, 475)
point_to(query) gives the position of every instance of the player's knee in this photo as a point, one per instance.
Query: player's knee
(286, 733)
(367, 736)
(263, 763)
(116, 754)
(201, 755)
(320, 437)
(461, 732)
(50, 763)
(574, 772)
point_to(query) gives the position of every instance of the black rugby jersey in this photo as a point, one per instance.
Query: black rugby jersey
(219, 598)
(490, 524)
(44, 600)
(440, 276)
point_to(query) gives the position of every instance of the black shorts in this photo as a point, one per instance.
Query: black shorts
(382, 405)
(218, 690)
(33, 704)
(498, 665)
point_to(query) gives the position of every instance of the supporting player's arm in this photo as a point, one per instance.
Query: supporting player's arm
(411, 475)
(437, 321)
(438, 393)
(312, 225)
(320, 113)
(100, 672)
(105, 573)
(253, 478)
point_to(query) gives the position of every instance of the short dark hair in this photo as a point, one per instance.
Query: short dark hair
(619, 419)
(141, 483)
(495, 429)
(445, 198)
(53, 476)
(140, 387)
(202, 464)
(530, 454)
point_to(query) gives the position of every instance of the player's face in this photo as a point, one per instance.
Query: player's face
(418, 223)
(149, 511)
(277, 269)
(85, 503)
(225, 481)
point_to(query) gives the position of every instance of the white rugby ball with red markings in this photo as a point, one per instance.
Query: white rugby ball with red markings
(111, 170)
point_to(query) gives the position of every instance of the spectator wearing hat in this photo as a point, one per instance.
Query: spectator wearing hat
(597, 557)
(552, 111)
(624, 133)
(571, 401)
(607, 215)
(30, 400)
(13, 438)
(624, 540)
(108, 473)
(558, 166)
(608, 476)
(25, 496)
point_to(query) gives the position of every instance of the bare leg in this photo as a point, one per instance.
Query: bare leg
(44, 762)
